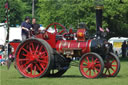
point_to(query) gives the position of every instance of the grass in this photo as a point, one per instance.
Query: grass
(71, 77)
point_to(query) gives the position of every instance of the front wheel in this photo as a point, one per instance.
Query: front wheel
(112, 65)
(91, 65)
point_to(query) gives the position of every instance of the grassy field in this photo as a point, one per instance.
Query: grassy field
(71, 77)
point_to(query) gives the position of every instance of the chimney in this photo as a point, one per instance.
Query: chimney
(99, 9)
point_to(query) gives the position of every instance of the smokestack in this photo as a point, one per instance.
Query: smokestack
(99, 9)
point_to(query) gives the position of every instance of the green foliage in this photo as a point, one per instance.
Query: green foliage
(18, 11)
(71, 12)
(2, 11)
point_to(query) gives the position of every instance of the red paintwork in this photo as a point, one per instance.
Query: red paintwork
(33, 60)
(73, 44)
(81, 34)
(80, 44)
(14, 45)
(55, 24)
(90, 66)
(32, 69)
(49, 37)
(111, 66)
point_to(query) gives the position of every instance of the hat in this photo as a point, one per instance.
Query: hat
(27, 17)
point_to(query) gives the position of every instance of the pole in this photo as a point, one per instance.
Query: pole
(7, 37)
(33, 7)
(6, 44)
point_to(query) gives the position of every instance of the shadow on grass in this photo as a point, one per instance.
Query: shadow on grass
(64, 76)
(75, 76)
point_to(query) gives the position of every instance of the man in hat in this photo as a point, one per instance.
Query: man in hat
(25, 28)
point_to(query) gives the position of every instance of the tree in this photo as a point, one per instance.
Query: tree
(71, 12)
(18, 10)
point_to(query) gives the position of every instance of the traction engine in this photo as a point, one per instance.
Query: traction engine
(50, 54)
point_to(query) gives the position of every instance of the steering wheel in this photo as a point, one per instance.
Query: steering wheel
(55, 27)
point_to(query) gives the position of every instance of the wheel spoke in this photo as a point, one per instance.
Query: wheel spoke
(86, 71)
(106, 70)
(113, 61)
(36, 49)
(27, 67)
(31, 69)
(34, 70)
(40, 48)
(42, 54)
(25, 55)
(25, 50)
(32, 44)
(55, 28)
(89, 72)
(84, 66)
(30, 49)
(94, 71)
(114, 65)
(85, 62)
(87, 59)
(97, 69)
(25, 63)
(38, 67)
(98, 65)
(92, 59)
(112, 69)
(24, 60)
(96, 60)
(42, 66)
(42, 61)
(109, 72)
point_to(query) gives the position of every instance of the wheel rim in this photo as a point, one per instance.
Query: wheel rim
(32, 59)
(111, 66)
(90, 66)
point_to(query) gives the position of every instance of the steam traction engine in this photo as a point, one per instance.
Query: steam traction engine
(50, 54)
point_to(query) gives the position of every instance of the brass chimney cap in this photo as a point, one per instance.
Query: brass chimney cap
(99, 7)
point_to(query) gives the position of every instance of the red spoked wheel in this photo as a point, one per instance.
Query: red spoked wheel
(91, 65)
(55, 26)
(34, 58)
(112, 65)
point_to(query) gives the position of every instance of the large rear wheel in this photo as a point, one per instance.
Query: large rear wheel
(34, 58)
(91, 65)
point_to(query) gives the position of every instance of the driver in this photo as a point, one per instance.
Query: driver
(35, 26)
(25, 28)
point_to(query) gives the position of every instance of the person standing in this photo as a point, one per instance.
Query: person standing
(35, 26)
(26, 26)
(124, 45)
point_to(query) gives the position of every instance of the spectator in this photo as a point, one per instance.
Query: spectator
(25, 28)
(35, 26)
(124, 45)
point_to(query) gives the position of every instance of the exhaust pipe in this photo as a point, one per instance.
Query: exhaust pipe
(99, 9)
